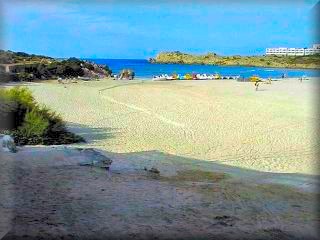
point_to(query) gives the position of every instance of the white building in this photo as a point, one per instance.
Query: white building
(316, 46)
(294, 51)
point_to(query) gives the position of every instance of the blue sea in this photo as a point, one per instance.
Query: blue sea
(144, 69)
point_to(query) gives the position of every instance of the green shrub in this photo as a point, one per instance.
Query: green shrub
(14, 105)
(20, 95)
(34, 124)
(21, 139)
(29, 123)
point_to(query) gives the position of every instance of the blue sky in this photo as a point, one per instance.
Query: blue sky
(109, 29)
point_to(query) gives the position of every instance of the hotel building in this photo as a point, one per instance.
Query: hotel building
(294, 51)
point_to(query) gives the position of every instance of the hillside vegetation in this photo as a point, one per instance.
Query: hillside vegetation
(29, 67)
(10, 57)
(310, 61)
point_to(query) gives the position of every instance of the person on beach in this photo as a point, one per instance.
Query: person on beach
(269, 80)
(257, 84)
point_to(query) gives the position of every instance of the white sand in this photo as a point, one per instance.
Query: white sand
(272, 130)
(173, 122)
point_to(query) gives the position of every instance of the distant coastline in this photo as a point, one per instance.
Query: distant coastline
(293, 62)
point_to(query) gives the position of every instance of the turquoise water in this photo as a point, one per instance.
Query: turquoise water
(144, 69)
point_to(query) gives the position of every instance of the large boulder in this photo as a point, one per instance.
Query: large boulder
(8, 144)
(93, 70)
(126, 74)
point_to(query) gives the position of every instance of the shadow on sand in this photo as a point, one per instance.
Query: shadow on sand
(54, 198)
(92, 135)
(169, 164)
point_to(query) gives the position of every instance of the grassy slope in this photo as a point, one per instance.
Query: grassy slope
(311, 61)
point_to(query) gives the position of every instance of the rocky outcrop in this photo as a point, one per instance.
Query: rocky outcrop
(126, 74)
(25, 67)
(152, 60)
(93, 70)
(309, 61)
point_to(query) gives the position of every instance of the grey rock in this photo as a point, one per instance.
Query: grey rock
(127, 74)
(8, 144)
(96, 159)
(154, 170)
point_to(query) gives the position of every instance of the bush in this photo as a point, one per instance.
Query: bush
(14, 105)
(34, 124)
(29, 123)
(21, 95)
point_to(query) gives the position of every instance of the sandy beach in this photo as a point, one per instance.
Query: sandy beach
(160, 120)
(234, 163)
(227, 122)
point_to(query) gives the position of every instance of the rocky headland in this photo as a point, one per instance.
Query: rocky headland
(308, 62)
